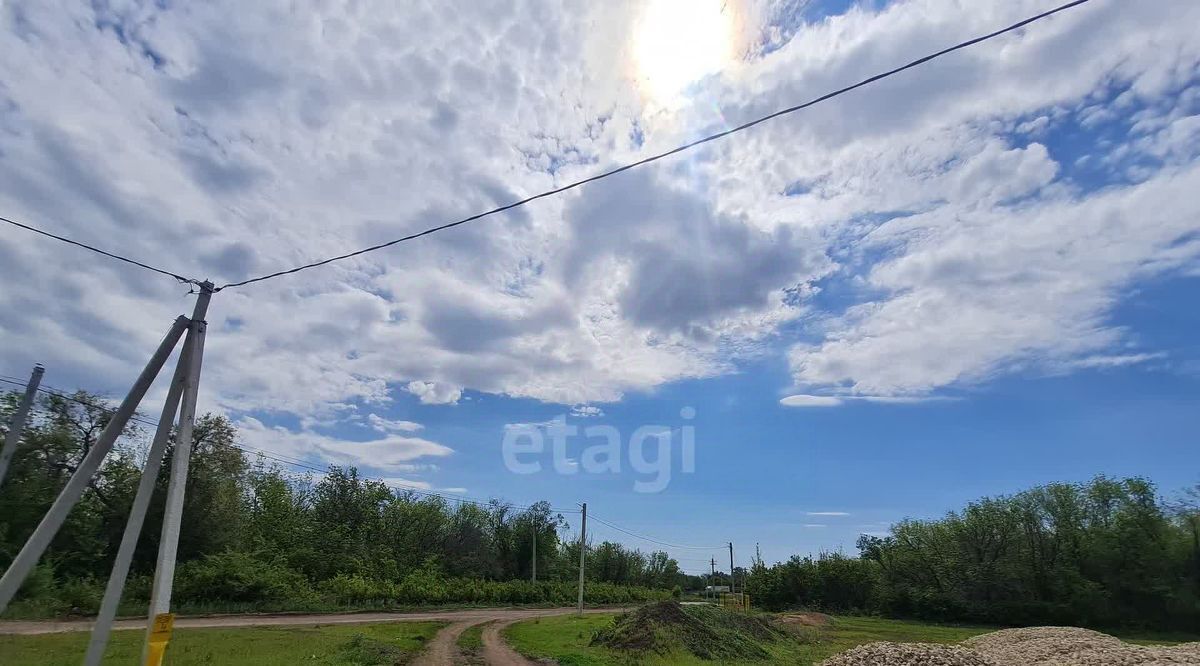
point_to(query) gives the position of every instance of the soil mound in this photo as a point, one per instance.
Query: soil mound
(705, 631)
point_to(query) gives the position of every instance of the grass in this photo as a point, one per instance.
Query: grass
(568, 638)
(362, 645)
(470, 643)
(471, 640)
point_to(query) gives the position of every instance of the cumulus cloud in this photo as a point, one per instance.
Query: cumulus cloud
(969, 244)
(434, 393)
(391, 453)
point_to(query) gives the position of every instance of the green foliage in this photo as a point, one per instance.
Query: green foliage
(1104, 554)
(254, 537)
(236, 576)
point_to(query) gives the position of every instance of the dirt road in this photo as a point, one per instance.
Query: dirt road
(441, 651)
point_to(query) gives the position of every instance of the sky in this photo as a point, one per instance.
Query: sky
(965, 280)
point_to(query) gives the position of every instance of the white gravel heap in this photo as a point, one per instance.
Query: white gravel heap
(907, 654)
(1035, 646)
(1071, 646)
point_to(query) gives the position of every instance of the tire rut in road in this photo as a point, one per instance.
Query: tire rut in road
(443, 649)
(498, 653)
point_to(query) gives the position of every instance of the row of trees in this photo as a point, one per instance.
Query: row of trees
(1107, 553)
(253, 532)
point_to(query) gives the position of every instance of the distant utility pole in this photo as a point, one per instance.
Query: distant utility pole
(582, 553)
(535, 537)
(17, 425)
(712, 574)
(732, 588)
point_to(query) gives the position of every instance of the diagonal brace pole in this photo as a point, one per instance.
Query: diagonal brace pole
(33, 549)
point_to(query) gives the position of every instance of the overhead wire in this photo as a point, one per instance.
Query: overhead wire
(658, 156)
(651, 539)
(64, 239)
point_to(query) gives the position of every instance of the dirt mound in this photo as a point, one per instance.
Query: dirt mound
(806, 619)
(1071, 646)
(908, 654)
(705, 631)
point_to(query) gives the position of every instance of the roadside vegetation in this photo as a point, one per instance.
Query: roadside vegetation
(257, 538)
(1106, 554)
(360, 645)
(1109, 554)
(665, 633)
(705, 635)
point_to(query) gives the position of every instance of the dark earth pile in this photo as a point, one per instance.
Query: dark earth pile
(705, 631)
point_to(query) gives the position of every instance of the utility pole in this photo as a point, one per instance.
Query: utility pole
(33, 549)
(137, 514)
(582, 553)
(164, 570)
(712, 575)
(732, 588)
(535, 537)
(17, 425)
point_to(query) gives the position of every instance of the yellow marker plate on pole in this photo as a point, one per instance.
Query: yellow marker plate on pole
(160, 635)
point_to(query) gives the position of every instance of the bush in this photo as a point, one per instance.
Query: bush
(234, 576)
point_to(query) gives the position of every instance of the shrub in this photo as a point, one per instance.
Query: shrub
(234, 576)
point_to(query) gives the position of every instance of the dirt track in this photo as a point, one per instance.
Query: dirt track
(441, 651)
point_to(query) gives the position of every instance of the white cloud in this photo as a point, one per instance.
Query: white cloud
(586, 411)
(1116, 360)
(226, 148)
(801, 400)
(434, 393)
(390, 425)
(813, 525)
(390, 453)
(826, 513)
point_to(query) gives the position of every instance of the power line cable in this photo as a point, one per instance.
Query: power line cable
(654, 158)
(185, 280)
(651, 539)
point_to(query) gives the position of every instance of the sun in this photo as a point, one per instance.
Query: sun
(678, 42)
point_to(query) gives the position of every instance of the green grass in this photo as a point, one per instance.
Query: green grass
(471, 640)
(567, 639)
(364, 645)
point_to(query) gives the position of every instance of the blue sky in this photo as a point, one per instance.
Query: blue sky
(972, 278)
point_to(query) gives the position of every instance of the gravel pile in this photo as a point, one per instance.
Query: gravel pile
(1035, 646)
(1071, 646)
(908, 654)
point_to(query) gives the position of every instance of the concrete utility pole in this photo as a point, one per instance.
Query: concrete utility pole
(582, 552)
(17, 425)
(164, 570)
(732, 588)
(32, 551)
(712, 576)
(137, 514)
(534, 563)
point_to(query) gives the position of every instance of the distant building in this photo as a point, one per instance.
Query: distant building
(716, 588)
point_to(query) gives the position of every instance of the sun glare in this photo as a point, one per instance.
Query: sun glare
(678, 42)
